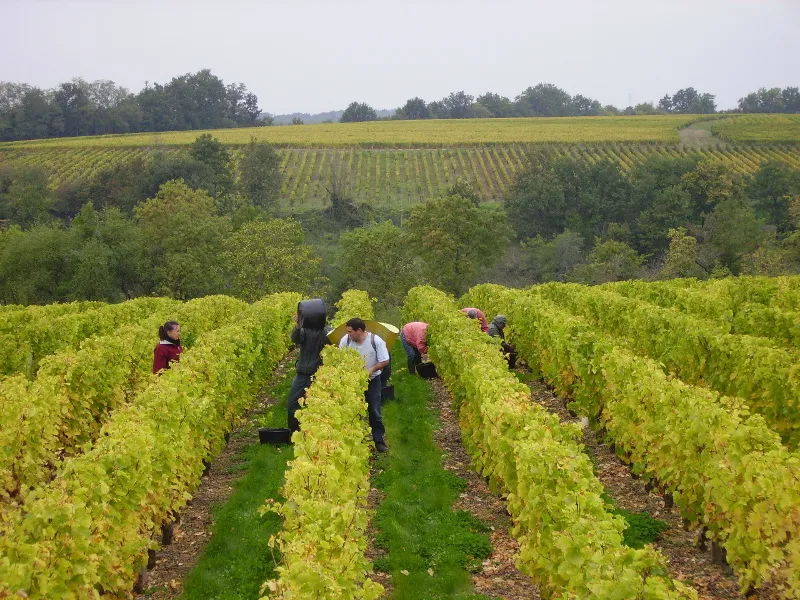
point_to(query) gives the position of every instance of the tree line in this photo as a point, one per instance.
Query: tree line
(78, 107)
(548, 100)
(203, 101)
(196, 223)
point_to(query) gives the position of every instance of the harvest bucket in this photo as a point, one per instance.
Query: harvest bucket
(275, 436)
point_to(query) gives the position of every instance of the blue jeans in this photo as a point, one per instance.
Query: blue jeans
(299, 385)
(373, 398)
(414, 357)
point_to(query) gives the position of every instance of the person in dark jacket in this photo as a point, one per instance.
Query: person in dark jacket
(310, 342)
(169, 349)
(497, 329)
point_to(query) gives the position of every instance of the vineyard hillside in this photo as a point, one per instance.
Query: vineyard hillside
(399, 163)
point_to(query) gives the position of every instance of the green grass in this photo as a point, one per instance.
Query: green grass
(415, 522)
(642, 528)
(238, 560)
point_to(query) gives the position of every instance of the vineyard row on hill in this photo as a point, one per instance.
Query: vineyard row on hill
(570, 544)
(88, 530)
(393, 176)
(724, 468)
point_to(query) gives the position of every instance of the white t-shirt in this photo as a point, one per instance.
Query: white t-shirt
(372, 356)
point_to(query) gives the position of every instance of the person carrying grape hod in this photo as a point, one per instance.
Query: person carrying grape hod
(310, 343)
(169, 347)
(376, 357)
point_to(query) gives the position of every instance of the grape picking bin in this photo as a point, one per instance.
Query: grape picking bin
(311, 313)
(275, 436)
(426, 370)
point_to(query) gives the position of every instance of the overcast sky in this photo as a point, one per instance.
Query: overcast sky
(313, 56)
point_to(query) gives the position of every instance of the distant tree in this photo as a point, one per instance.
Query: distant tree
(465, 189)
(544, 100)
(608, 261)
(185, 240)
(645, 108)
(773, 100)
(733, 231)
(551, 261)
(260, 174)
(478, 111)
(438, 110)
(688, 101)
(708, 184)
(378, 260)
(358, 112)
(457, 104)
(498, 106)
(791, 99)
(585, 107)
(456, 240)
(242, 105)
(414, 109)
(25, 195)
(210, 152)
(32, 264)
(771, 189)
(681, 259)
(297, 121)
(72, 100)
(271, 256)
(609, 110)
(665, 103)
(535, 204)
(670, 209)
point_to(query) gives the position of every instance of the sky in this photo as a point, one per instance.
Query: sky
(314, 56)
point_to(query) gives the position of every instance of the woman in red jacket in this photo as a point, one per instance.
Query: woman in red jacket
(169, 348)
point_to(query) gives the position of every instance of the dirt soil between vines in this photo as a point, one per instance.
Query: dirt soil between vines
(499, 578)
(193, 532)
(687, 562)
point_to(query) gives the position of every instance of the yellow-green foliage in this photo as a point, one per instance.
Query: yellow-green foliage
(91, 526)
(727, 471)
(764, 374)
(407, 134)
(74, 389)
(353, 303)
(325, 513)
(759, 128)
(569, 543)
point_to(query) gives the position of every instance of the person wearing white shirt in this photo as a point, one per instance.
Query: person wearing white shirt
(376, 357)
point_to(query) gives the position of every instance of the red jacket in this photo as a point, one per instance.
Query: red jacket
(165, 354)
(481, 318)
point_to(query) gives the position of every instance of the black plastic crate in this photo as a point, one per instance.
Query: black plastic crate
(275, 436)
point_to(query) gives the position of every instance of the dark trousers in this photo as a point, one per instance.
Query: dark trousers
(414, 357)
(373, 398)
(299, 385)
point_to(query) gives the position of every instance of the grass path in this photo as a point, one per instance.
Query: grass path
(428, 548)
(238, 560)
